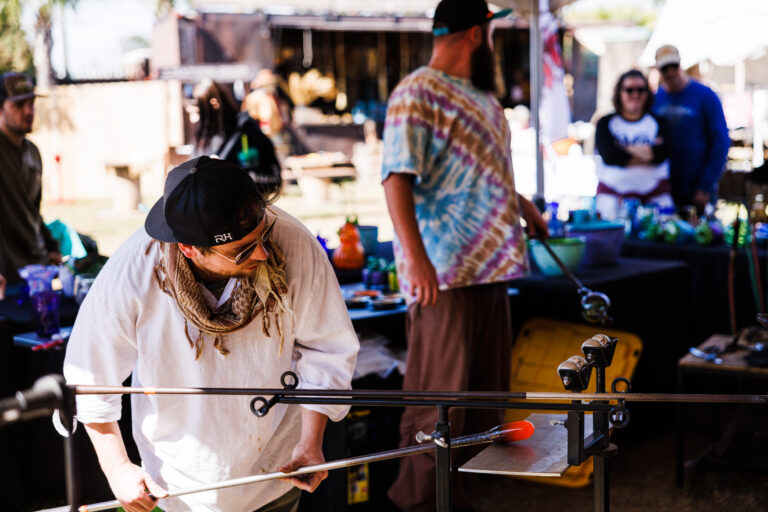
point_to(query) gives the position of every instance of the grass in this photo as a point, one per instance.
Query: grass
(97, 219)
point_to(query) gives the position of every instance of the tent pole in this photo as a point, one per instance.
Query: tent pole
(536, 79)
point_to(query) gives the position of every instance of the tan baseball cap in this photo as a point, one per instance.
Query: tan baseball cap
(666, 55)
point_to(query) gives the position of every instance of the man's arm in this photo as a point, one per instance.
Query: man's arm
(398, 189)
(51, 244)
(535, 224)
(2, 287)
(718, 142)
(662, 145)
(130, 484)
(308, 451)
(609, 149)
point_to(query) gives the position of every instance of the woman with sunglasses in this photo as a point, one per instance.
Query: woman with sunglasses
(633, 148)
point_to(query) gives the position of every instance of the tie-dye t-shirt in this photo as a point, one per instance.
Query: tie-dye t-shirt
(455, 140)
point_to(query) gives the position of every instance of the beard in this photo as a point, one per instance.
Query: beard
(483, 74)
(244, 274)
(22, 128)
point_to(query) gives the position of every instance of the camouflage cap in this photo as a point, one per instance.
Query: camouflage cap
(16, 87)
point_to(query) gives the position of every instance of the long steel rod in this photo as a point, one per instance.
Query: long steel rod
(469, 440)
(463, 404)
(455, 395)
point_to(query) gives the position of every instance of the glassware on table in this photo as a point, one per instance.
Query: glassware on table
(45, 312)
(37, 278)
(627, 212)
(83, 284)
(67, 278)
(22, 296)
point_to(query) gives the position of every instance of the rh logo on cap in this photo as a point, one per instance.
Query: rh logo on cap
(220, 239)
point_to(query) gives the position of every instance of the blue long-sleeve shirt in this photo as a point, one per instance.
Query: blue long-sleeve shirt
(699, 139)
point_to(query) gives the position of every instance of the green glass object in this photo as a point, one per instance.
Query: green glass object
(704, 235)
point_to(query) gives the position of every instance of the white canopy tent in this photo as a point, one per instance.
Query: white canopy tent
(730, 33)
(398, 7)
(724, 33)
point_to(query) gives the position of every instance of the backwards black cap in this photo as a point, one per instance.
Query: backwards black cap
(453, 16)
(201, 204)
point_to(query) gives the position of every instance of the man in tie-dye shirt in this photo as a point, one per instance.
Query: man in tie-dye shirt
(447, 176)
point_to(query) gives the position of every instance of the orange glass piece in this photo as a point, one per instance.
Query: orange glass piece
(516, 431)
(349, 255)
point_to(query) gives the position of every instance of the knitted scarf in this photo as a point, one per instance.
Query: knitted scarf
(261, 293)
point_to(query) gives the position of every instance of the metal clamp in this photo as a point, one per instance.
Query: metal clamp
(599, 350)
(619, 415)
(439, 441)
(266, 405)
(574, 372)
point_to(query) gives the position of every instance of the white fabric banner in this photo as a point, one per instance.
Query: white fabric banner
(555, 111)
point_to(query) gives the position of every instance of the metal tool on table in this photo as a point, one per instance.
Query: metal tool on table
(594, 305)
(56, 341)
(712, 357)
(507, 433)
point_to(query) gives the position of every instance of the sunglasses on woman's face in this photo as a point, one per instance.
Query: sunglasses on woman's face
(243, 255)
(634, 90)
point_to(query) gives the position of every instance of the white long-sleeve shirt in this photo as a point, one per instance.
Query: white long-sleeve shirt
(127, 324)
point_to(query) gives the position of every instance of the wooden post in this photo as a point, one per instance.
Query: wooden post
(381, 58)
(405, 54)
(342, 100)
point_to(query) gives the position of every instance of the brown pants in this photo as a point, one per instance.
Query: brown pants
(462, 343)
(288, 502)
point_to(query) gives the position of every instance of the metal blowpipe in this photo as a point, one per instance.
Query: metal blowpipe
(508, 433)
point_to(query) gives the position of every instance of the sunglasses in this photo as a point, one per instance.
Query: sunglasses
(668, 67)
(634, 90)
(243, 255)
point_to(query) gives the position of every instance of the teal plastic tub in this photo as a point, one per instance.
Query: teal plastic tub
(569, 250)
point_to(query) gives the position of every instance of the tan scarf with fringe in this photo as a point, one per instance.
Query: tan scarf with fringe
(263, 292)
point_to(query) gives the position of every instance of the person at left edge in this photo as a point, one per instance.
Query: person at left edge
(24, 237)
(218, 289)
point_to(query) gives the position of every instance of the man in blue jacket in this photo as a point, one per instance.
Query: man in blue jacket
(698, 133)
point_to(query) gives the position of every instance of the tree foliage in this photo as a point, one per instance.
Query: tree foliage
(163, 7)
(15, 53)
(637, 13)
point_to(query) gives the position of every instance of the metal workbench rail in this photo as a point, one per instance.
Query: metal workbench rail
(425, 396)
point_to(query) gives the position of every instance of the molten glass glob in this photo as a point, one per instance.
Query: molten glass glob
(514, 431)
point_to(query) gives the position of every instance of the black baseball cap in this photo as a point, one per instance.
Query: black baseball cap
(453, 16)
(16, 87)
(201, 202)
